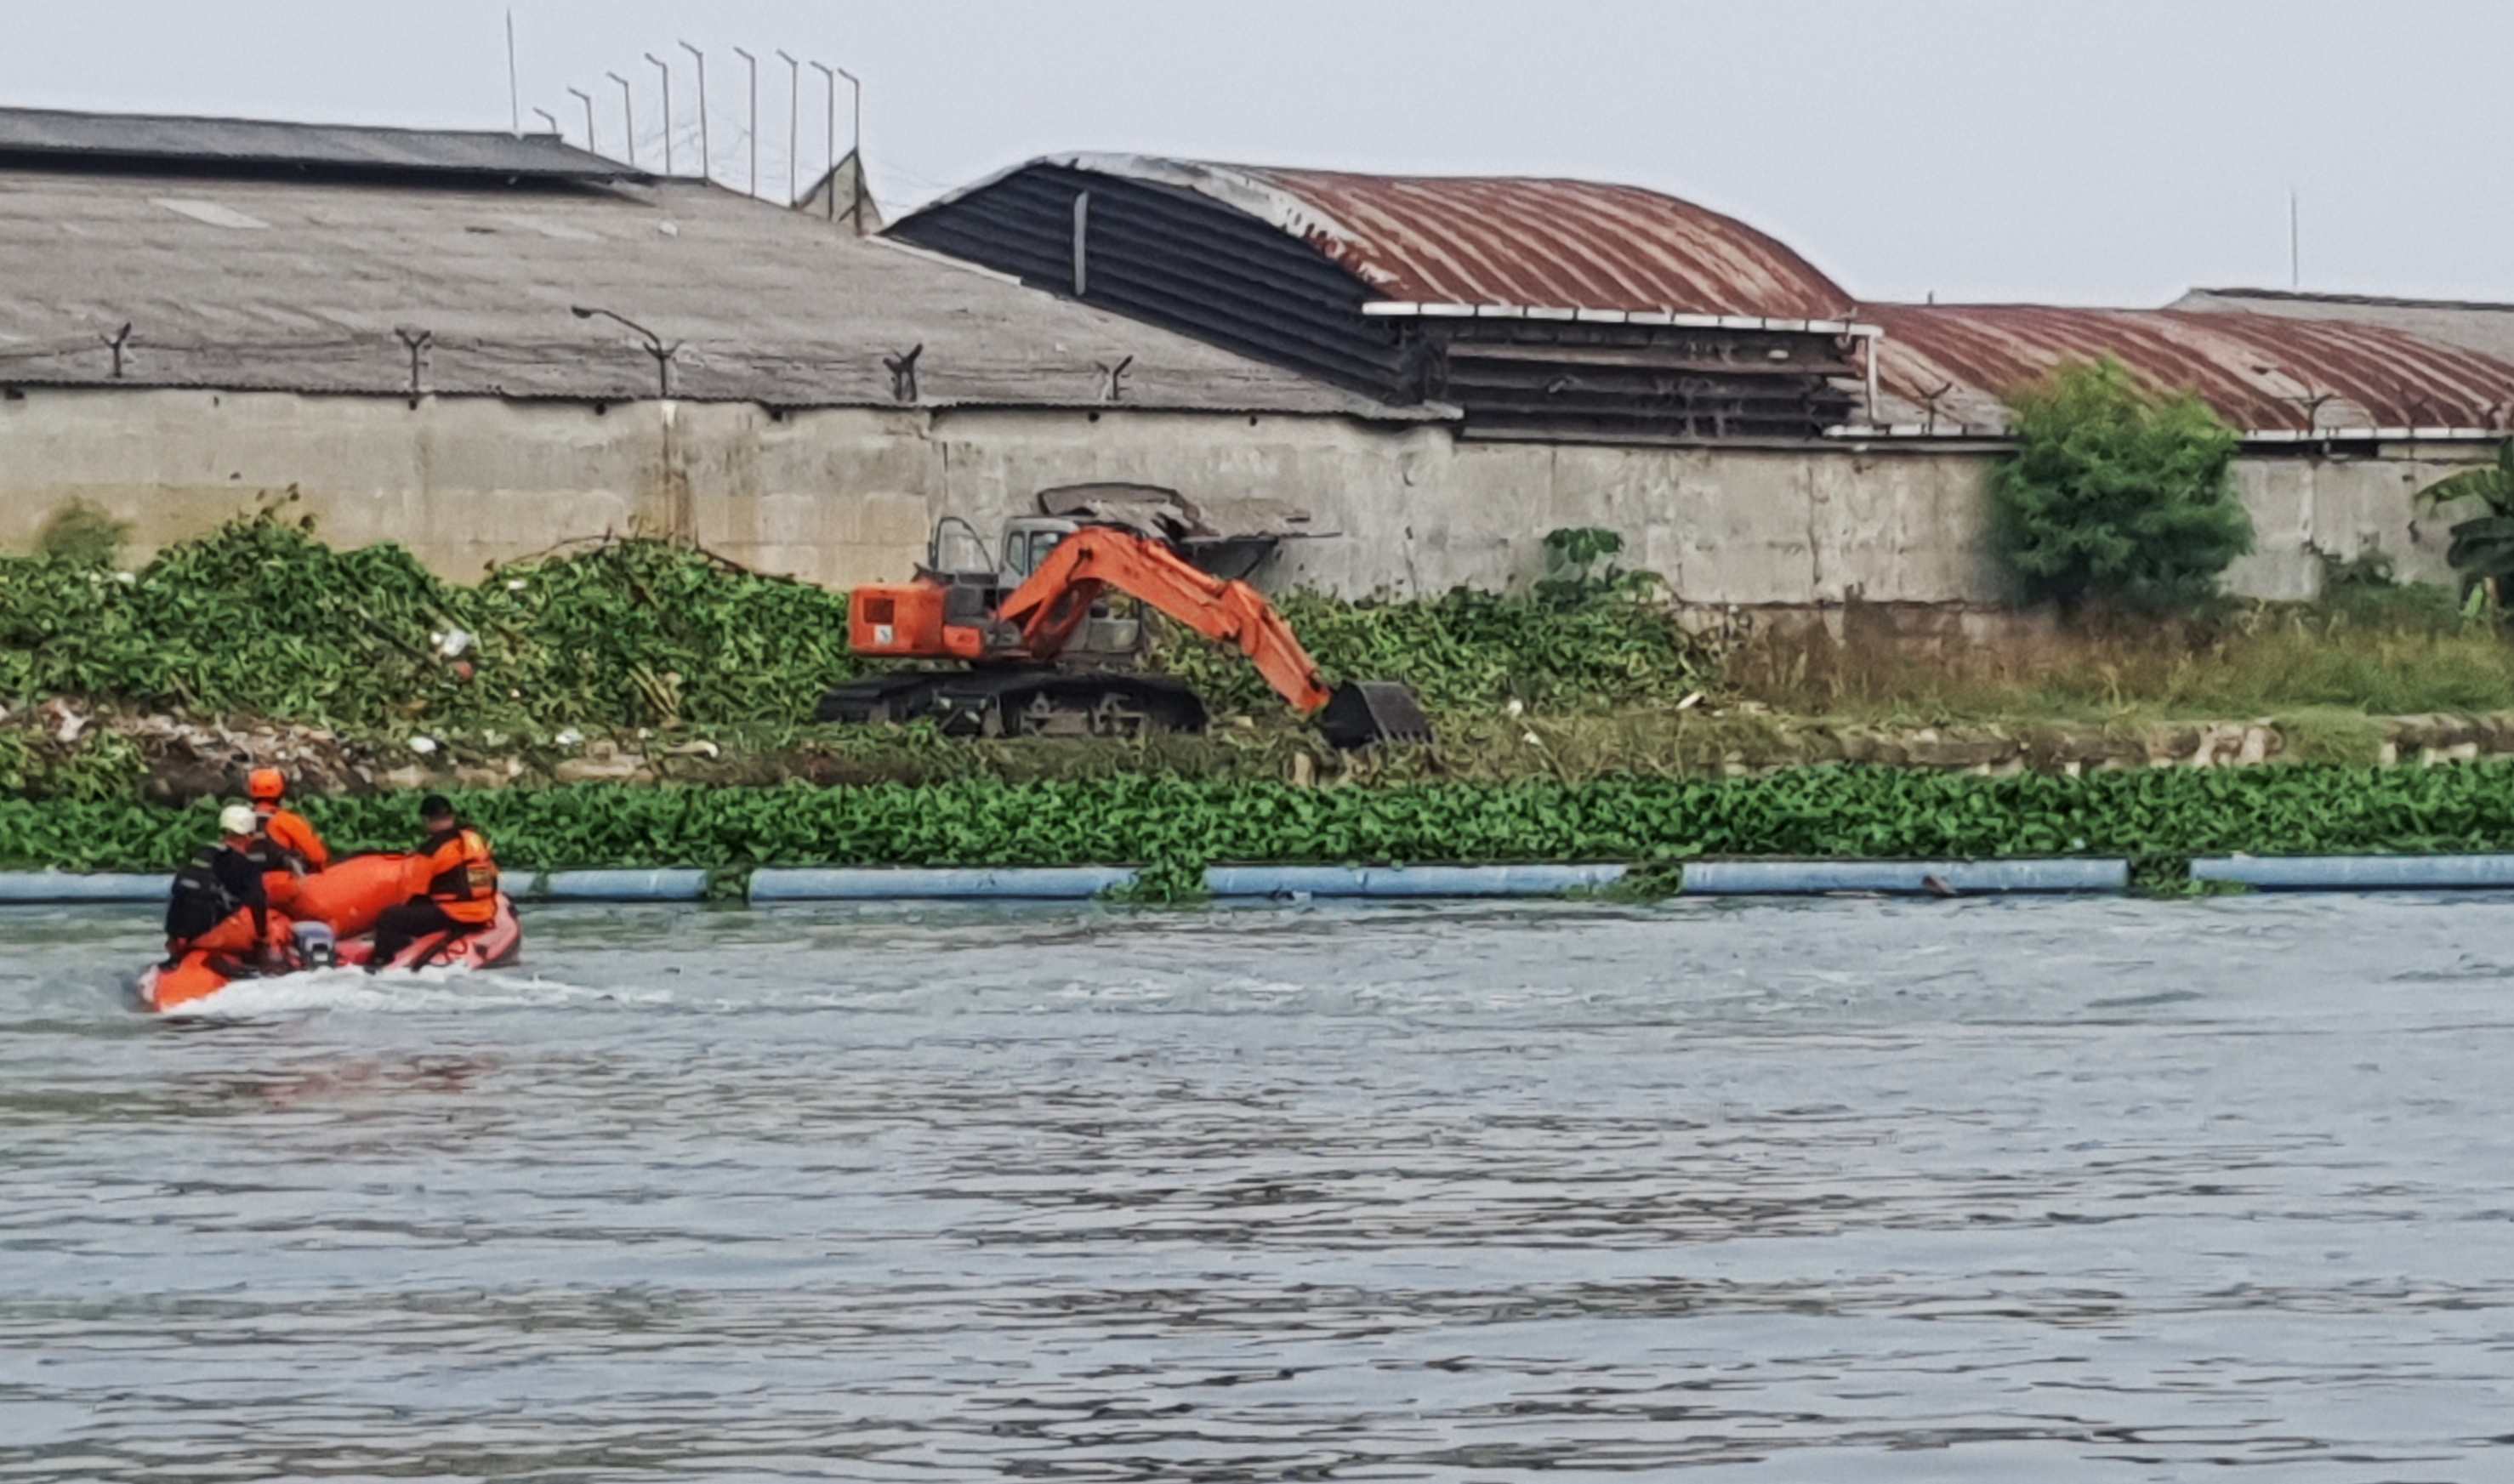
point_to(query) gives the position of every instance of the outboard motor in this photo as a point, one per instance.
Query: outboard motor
(316, 945)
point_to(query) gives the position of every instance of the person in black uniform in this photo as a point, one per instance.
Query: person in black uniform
(220, 905)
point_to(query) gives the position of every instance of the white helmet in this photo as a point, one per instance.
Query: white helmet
(238, 819)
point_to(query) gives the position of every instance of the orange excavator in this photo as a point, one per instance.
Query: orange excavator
(1016, 627)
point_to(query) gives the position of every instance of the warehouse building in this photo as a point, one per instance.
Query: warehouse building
(484, 346)
(1560, 307)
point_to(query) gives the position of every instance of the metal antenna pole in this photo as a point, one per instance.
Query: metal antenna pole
(830, 75)
(754, 188)
(514, 96)
(2294, 242)
(706, 156)
(794, 122)
(628, 115)
(588, 99)
(668, 109)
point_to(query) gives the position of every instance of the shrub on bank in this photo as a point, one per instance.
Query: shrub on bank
(2116, 495)
(261, 617)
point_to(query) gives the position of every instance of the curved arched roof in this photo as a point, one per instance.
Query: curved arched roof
(2261, 373)
(1492, 240)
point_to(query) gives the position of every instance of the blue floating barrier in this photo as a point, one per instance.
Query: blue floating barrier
(671, 885)
(1056, 883)
(1402, 881)
(73, 886)
(1782, 878)
(2359, 873)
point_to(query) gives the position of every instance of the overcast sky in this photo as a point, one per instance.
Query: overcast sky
(2095, 152)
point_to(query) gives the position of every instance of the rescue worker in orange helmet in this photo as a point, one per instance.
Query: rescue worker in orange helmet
(453, 883)
(286, 829)
(220, 905)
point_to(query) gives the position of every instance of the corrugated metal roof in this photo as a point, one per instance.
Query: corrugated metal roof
(267, 284)
(1540, 244)
(1950, 364)
(2487, 328)
(47, 133)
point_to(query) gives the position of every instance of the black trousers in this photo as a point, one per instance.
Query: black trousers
(397, 928)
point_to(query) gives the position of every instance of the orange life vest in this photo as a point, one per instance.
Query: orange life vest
(289, 830)
(455, 870)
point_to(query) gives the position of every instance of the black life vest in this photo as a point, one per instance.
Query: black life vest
(200, 901)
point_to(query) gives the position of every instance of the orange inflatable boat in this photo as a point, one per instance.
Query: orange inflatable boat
(327, 920)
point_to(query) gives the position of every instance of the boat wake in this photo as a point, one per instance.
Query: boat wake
(429, 990)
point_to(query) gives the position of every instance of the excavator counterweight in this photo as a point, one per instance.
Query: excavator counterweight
(1015, 643)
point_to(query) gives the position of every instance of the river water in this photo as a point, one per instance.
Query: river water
(1846, 1189)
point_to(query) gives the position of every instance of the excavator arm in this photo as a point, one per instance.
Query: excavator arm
(1053, 604)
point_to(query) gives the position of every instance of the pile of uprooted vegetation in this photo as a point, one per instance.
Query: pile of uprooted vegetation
(629, 659)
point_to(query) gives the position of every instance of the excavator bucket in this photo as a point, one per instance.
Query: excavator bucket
(1363, 713)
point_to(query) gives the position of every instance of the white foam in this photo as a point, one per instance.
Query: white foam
(395, 991)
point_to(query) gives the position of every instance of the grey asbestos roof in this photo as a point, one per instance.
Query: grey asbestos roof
(2487, 328)
(55, 133)
(286, 285)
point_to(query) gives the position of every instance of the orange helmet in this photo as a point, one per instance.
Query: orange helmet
(265, 785)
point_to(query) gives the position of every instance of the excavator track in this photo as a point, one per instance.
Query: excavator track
(1020, 701)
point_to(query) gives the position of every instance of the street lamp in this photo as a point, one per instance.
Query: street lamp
(627, 116)
(668, 109)
(794, 122)
(586, 98)
(706, 156)
(754, 61)
(654, 345)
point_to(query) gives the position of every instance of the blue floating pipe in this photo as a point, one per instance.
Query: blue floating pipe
(1061, 883)
(69, 886)
(1404, 881)
(2359, 873)
(1787, 878)
(682, 885)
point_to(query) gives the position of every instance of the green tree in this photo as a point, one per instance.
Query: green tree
(2117, 494)
(2483, 546)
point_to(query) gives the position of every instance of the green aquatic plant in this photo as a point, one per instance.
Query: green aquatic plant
(2156, 817)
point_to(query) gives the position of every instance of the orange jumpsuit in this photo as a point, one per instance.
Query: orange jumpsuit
(289, 830)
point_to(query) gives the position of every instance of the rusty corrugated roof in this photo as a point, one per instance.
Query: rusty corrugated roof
(1529, 243)
(1953, 364)
(1557, 244)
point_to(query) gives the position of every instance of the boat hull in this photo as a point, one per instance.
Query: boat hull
(346, 900)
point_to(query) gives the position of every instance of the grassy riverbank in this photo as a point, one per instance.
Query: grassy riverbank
(646, 663)
(2158, 818)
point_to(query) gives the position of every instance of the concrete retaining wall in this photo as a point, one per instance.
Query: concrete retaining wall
(843, 496)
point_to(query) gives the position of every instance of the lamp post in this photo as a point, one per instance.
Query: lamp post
(753, 62)
(830, 76)
(794, 122)
(706, 156)
(654, 346)
(627, 116)
(586, 98)
(668, 109)
(855, 148)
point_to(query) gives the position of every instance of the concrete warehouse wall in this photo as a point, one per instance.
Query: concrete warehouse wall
(847, 495)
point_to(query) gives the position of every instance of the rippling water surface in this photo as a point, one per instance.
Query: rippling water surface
(2074, 1191)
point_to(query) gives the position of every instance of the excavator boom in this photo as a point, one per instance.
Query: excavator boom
(1036, 622)
(1091, 562)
